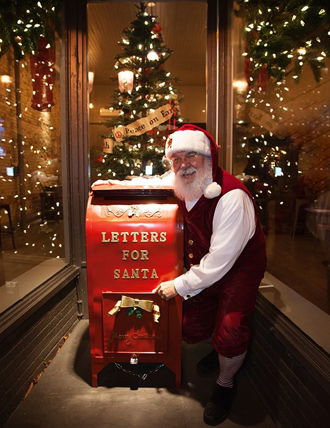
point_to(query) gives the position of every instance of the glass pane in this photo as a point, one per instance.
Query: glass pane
(281, 141)
(181, 27)
(30, 167)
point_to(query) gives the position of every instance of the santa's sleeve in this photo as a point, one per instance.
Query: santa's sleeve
(233, 226)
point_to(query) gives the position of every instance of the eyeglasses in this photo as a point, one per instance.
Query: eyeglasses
(189, 158)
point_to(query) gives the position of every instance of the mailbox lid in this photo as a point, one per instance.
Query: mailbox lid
(112, 190)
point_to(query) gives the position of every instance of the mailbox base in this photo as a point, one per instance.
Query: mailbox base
(98, 364)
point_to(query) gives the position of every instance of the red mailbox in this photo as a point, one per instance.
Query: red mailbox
(134, 241)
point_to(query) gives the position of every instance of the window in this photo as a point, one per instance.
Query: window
(183, 27)
(281, 130)
(31, 236)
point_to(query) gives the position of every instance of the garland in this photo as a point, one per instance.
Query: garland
(283, 36)
(24, 22)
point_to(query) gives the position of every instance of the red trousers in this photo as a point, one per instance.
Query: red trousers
(223, 311)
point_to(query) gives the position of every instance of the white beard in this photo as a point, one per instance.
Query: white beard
(194, 190)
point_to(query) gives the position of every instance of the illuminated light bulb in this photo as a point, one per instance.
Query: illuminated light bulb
(152, 56)
(5, 79)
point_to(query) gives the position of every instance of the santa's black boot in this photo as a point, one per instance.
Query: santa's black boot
(218, 407)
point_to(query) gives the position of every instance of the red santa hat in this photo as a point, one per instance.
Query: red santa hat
(191, 138)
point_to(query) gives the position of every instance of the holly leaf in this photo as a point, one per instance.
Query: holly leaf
(129, 311)
(138, 313)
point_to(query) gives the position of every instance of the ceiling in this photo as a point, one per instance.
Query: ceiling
(183, 28)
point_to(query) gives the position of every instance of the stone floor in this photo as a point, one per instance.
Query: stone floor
(64, 398)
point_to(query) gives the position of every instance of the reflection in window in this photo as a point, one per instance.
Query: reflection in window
(281, 141)
(31, 237)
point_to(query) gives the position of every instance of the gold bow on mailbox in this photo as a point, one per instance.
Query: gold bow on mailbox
(129, 302)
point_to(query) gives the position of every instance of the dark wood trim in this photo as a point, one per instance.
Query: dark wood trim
(23, 309)
(211, 66)
(217, 78)
(77, 134)
(223, 87)
(305, 350)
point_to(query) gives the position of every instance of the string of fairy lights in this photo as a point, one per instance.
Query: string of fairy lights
(22, 24)
(37, 169)
(282, 41)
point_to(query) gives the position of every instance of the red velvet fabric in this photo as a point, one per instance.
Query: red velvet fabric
(224, 309)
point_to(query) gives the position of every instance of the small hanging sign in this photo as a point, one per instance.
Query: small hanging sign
(108, 144)
(145, 124)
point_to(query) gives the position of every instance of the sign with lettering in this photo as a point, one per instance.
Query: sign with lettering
(263, 119)
(144, 124)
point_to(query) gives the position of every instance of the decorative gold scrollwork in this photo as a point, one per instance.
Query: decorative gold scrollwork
(134, 210)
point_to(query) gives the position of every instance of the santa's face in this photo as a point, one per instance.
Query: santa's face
(192, 172)
(186, 165)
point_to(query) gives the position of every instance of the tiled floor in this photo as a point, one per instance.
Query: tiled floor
(64, 398)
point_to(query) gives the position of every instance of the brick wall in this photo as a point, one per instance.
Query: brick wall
(294, 390)
(24, 352)
(41, 135)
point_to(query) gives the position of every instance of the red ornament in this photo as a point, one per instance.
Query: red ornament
(156, 29)
(247, 71)
(263, 78)
(43, 76)
(99, 159)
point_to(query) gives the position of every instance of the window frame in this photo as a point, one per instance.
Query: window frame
(75, 172)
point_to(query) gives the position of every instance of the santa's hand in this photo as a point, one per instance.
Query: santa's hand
(166, 290)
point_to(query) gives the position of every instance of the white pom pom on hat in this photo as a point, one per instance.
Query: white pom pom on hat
(212, 190)
(194, 139)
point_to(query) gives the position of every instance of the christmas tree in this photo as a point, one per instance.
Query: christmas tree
(146, 102)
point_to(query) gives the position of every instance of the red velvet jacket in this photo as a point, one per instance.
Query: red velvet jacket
(198, 230)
